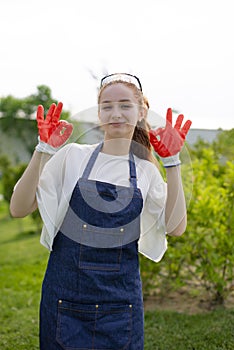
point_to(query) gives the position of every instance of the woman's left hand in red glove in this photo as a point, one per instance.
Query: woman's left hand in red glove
(168, 141)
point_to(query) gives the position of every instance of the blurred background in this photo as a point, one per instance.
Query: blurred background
(182, 51)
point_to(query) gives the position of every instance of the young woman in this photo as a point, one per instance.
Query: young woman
(101, 205)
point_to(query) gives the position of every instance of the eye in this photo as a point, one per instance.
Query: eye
(126, 105)
(106, 107)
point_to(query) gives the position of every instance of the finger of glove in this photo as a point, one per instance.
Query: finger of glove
(169, 117)
(152, 136)
(61, 134)
(160, 137)
(179, 121)
(162, 150)
(40, 116)
(43, 128)
(186, 127)
(56, 114)
(66, 130)
(159, 147)
(50, 113)
(156, 134)
(153, 139)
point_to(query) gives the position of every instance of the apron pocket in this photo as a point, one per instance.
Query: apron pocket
(93, 327)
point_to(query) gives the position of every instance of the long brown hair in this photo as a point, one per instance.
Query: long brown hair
(140, 145)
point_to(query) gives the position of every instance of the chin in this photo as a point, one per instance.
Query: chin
(124, 131)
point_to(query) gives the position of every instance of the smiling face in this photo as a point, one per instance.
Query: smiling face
(119, 111)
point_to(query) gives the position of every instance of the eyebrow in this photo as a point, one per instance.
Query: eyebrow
(123, 100)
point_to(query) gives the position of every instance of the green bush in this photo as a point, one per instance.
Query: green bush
(203, 255)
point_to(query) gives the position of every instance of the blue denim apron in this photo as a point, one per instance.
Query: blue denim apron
(92, 293)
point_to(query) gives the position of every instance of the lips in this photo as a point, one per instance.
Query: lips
(117, 123)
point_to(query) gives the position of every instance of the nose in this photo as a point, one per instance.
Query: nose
(116, 111)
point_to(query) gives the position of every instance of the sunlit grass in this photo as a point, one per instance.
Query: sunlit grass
(23, 262)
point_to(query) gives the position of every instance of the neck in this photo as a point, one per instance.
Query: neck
(117, 147)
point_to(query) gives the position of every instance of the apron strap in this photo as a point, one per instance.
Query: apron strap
(132, 170)
(92, 159)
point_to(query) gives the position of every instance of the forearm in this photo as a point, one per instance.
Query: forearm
(176, 213)
(23, 200)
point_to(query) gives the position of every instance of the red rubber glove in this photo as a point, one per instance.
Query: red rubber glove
(168, 141)
(53, 131)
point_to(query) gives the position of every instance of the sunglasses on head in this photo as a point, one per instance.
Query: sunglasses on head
(125, 77)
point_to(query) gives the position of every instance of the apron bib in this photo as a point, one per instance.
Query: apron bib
(92, 293)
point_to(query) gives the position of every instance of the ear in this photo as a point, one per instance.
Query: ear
(98, 113)
(141, 114)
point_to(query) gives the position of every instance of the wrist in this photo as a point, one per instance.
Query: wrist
(43, 147)
(171, 161)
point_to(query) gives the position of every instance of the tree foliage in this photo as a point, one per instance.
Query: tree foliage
(18, 115)
(12, 108)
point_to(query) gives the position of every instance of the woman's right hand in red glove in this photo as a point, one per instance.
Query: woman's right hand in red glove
(53, 131)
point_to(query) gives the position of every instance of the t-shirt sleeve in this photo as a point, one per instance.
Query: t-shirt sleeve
(153, 242)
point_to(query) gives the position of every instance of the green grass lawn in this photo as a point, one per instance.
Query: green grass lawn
(23, 261)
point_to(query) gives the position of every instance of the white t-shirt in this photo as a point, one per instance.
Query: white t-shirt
(63, 170)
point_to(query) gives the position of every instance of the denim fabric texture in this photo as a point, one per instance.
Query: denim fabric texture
(92, 293)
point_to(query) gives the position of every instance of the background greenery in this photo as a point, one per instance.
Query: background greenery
(201, 261)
